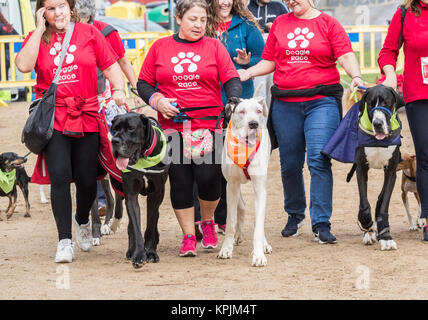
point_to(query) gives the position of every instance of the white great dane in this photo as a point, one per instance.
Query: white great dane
(245, 157)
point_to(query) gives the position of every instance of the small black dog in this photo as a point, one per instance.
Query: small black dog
(8, 162)
(379, 148)
(139, 138)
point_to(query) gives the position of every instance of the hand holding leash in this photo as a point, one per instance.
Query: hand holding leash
(119, 97)
(357, 81)
(166, 108)
(242, 58)
(391, 82)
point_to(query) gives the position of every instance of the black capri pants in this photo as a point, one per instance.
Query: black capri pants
(417, 116)
(70, 159)
(183, 173)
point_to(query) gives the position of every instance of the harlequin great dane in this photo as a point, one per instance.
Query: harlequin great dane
(245, 158)
(379, 123)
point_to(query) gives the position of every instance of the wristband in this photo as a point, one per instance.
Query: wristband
(357, 77)
(118, 89)
(154, 100)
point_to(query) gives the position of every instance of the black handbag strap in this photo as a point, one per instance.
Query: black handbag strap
(64, 49)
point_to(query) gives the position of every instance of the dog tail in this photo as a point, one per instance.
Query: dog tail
(351, 172)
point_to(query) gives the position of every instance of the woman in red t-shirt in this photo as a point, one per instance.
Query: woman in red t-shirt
(302, 49)
(187, 69)
(415, 88)
(71, 154)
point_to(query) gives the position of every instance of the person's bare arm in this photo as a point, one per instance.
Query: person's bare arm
(260, 69)
(114, 76)
(128, 70)
(27, 57)
(349, 63)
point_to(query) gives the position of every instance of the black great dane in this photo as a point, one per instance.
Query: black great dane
(379, 142)
(139, 146)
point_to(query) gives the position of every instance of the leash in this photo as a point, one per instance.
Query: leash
(25, 157)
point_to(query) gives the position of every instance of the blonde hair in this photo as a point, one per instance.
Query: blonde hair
(46, 37)
(414, 6)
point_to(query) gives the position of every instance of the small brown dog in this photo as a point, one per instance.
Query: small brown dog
(408, 184)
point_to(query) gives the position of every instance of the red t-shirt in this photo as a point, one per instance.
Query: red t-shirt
(222, 27)
(305, 52)
(190, 72)
(415, 41)
(87, 50)
(113, 39)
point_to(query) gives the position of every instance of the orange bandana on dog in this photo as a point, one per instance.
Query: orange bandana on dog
(241, 153)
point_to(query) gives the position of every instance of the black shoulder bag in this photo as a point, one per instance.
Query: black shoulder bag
(38, 128)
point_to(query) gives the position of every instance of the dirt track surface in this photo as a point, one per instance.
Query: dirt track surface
(298, 268)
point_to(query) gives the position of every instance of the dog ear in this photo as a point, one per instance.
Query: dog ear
(262, 102)
(399, 102)
(148, 126)
(363, 102)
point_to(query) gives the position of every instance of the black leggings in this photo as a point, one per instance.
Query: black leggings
(70, 159)
(417, 116)
(183, 175)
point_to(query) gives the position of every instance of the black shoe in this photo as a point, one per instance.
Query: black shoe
(322, 233)
(293, 225)
(425, 234)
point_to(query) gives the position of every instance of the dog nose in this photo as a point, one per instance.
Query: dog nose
(253, 124)
(377, 124)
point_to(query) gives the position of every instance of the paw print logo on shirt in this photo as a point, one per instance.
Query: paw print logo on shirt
(188, 58)
(56, 51)
(300, 34)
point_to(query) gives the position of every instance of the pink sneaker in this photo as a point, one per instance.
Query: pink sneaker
(209, 240)
(188, 246)
(221, 228)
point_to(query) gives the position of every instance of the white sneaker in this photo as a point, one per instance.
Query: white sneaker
(64, 251)
(83, 234)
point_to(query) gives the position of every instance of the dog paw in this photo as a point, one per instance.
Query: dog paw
(105, 230)
(413, 228)
(27, 215)
(238, 239)
(96, 241)
(387, 245)
(152, 256)
(369, 238)
(225, 253)
(44, 201)
(259, 260)
(421, 223)
(138, 260)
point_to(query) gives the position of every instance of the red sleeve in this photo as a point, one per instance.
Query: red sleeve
(269, 50)
(226, 68)
(339, 39)
(116, 43)
(148, 72)
(389, 52)
(104, 53)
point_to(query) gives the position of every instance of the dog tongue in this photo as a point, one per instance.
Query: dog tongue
(122, 163)
(380, 136)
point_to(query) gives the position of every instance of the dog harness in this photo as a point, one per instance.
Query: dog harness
(241, 153)
(7, 180)
(147, 161)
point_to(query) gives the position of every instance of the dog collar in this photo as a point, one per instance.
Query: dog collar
(241, 153)
(153, 145)
(148, 162)
(366, 125)
(7, 180)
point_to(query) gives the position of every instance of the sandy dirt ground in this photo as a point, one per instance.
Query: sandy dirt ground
(298, 268)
